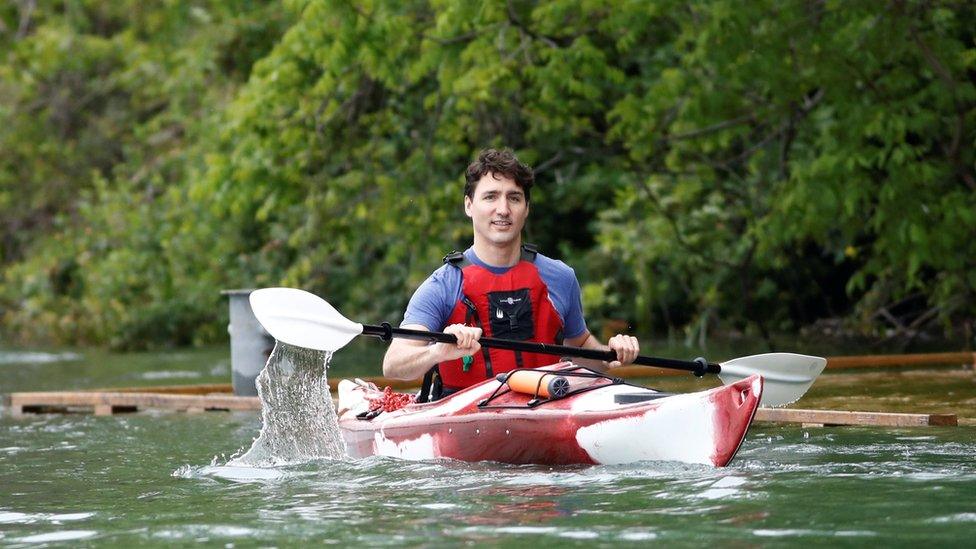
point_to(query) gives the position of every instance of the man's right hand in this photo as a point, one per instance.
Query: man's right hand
(410, 359)
(467, 343)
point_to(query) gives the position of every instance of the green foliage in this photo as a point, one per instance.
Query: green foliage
(792, 138)
(106, 109)
(741, 166)
(346, 147)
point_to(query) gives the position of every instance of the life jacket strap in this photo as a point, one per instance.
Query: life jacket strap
(431, 387)
(457, 259)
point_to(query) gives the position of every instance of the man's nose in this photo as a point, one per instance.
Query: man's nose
(502, 207)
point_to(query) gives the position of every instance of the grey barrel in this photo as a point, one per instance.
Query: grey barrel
(250, 344)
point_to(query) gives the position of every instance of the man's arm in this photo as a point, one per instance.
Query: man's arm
(408, 359)
(566, 294)
(626, 347)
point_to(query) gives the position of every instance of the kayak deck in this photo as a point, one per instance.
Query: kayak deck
(606, 421)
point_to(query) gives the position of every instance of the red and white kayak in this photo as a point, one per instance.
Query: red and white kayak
(602, 420)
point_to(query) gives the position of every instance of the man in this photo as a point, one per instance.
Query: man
(496, 286)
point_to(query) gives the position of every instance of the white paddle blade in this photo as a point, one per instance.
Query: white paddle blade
(302, 319)
(788, 376)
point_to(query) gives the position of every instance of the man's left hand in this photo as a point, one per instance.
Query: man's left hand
(626, 347)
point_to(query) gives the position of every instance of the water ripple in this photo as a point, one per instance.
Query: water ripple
(63, 535)
(30, 357)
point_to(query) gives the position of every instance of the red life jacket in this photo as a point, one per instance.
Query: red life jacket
(511, 305)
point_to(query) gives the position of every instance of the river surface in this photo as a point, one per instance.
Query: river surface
(161, 478)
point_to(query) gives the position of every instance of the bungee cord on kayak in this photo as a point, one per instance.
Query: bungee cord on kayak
(389, 401)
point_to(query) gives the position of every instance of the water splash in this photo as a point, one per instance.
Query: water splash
(299, 421)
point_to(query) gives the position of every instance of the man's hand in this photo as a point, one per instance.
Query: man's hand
(467, 343)
(410, 359)
(626, 347)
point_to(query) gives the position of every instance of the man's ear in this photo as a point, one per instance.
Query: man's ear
(467, 206)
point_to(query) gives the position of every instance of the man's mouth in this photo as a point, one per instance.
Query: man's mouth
(501, 223)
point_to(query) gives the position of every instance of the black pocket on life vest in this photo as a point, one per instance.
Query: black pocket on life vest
(511, 314)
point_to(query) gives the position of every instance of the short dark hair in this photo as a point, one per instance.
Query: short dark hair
(499, 163)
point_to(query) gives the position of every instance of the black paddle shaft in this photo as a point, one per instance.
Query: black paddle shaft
(699, 366)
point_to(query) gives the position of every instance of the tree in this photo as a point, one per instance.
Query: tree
(709, 165)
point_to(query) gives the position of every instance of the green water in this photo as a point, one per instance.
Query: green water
(159, 478)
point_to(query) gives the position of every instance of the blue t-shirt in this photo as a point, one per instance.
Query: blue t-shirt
(435, 299)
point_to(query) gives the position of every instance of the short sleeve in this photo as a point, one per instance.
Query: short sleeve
(434, 300)
(565, 294)
(573, 324)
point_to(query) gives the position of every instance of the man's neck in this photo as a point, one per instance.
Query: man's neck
(498, 256)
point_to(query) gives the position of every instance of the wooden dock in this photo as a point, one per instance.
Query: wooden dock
(829, 418)
(107, 402)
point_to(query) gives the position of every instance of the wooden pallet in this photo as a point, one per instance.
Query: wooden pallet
(821, 418)
(103, 403)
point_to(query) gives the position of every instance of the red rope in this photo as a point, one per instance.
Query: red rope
(389, 401)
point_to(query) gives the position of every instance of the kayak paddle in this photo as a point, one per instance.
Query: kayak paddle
(303, 319)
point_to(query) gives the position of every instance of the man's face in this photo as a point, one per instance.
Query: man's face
(497, 210)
